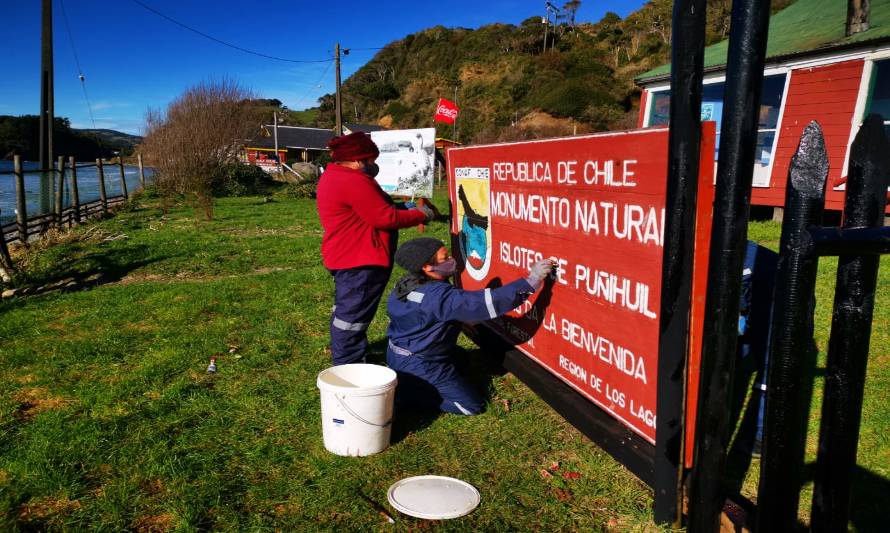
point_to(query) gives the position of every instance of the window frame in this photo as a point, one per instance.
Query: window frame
(863, 102)
(762, 174)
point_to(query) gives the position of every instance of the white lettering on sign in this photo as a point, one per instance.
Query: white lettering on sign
(524, 258)
(524, 171)
(622, 221)
(603, 173)
(446, 111)
(632, 295)
(534, 208)
(605, 350)
(573, 369)
(646, 415)
(473, 173)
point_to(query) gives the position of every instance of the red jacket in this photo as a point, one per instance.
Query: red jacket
(360, 221)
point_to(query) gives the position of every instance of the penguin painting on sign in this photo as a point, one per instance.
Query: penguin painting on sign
(474, 235)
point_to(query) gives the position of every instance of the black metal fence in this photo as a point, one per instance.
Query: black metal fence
(791, 368)
(858, 243)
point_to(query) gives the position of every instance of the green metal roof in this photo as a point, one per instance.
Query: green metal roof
(804, 26)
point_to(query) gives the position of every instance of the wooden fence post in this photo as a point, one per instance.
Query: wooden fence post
(21, 212)
(60, 196)
(101, 172)
(141, 171)
(75, 198)
(6, 266)
(120, 162)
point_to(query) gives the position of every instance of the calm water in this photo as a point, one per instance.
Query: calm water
(40, 193)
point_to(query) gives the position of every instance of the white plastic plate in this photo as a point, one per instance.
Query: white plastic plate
(433, 497)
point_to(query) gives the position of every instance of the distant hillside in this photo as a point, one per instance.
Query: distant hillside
(506, 85)
(117, 139)
(19, 135)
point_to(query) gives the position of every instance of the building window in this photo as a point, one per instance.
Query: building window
(712, 109)
(879, 92)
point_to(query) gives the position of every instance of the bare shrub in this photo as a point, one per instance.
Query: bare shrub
(201, 132)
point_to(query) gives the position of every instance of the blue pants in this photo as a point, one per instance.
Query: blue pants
(357, 293)
(433, 383)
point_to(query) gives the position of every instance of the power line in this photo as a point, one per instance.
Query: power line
(83, 84)
(224, 43)
(316, 85)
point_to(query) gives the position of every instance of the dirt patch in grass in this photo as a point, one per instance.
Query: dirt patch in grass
(294, 231)
(142, 278)
(623, 524)
(193, 276)
(4, 477)
(35, 400)
(42, 509)
(160, 523)
(288, 509)
(154, 486)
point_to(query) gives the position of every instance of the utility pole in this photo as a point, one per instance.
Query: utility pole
(275, 134)
(546, 21)
(338, 128)
(454, 135)
(555, 10)
(46, 86)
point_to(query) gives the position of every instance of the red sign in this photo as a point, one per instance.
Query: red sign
(595, 204)
(446, 111)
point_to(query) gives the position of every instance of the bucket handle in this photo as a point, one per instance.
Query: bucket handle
(355, 415)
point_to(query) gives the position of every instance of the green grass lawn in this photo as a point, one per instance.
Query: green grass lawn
(109, 421)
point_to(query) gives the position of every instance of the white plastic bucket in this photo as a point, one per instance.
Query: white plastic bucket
(356, 408)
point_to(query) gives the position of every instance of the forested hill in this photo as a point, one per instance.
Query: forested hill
(507, 86)
(19, 136)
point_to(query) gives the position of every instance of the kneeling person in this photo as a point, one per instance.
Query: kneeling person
(425, 313)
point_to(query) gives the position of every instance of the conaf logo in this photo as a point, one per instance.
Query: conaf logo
(474, 228)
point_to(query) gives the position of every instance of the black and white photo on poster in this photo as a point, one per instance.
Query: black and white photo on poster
(407, 161)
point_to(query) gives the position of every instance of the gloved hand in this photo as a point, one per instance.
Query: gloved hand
(539, 272)
(427, 212)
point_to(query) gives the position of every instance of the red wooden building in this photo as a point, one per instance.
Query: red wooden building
(813, 72)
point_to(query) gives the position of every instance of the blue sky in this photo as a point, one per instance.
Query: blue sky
(133, 59)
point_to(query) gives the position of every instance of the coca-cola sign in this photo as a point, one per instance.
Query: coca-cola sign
(446, 111)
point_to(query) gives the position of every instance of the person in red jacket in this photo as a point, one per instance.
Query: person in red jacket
(361, 224)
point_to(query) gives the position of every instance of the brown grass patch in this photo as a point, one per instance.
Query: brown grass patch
(154, 486)
(288, 509)
(194, 276)
(296, 231)
(40, 509)
(141, 326)
(160, 523)
(35, 400)
(4, 477)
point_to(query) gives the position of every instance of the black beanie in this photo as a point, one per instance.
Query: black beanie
(417, 252)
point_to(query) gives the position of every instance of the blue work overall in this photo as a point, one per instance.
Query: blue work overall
(423, 330)
(357, 292)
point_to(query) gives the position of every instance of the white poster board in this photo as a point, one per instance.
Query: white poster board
(407, 161)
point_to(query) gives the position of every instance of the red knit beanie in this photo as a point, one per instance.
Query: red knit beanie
(353, 147)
